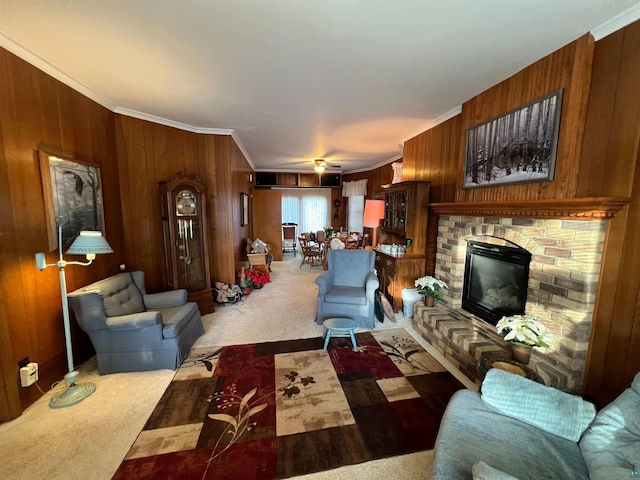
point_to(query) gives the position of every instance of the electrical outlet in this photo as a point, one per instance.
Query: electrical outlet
(29, 374)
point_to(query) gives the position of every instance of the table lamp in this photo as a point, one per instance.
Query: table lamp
(373, 213)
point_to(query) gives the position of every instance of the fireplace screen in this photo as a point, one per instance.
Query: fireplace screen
(495, 280)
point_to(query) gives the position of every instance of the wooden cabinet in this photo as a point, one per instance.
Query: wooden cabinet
(185, 238)
(405, 221)
(405, 215)
(396, 273)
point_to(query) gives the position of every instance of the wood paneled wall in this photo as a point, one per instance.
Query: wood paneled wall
(149, 153)
(38, 112)
(611, 166)
(568, 68)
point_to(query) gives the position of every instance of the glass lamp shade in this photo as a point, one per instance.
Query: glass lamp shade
(319, 168)
(373, 213)
(89, 242)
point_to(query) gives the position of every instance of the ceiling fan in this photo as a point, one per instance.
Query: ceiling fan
(320, 164)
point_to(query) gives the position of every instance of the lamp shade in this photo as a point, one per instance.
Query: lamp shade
(89, 242)
(373, 213)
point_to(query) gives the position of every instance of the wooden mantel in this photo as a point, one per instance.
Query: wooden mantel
(561, 208)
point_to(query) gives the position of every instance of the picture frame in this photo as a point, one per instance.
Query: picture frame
(72, 192)
(244, 203)
(516, 147)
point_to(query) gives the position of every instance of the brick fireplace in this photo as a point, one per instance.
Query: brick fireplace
(563, 282)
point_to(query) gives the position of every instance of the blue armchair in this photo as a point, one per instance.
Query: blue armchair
(347, 288)
(134, 331)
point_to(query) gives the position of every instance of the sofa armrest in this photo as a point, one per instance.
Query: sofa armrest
(324, 282)
(546, 408)
(371, 285)
(171, 298)
(88, 307)
(134, 321)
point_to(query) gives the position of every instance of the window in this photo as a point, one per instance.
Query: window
(355, 213)
(309, 208)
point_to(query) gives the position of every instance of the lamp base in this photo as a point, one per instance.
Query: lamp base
(75, 393)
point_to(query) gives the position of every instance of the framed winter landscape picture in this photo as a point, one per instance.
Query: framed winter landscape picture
(517, 147)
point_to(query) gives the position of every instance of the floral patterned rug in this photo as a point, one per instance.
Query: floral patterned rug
(281, 409)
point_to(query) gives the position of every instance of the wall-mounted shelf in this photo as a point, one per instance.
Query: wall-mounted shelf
(280, 179)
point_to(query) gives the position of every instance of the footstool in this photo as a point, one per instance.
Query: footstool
(340, 327)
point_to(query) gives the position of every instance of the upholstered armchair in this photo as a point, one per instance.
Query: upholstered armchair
(135, 331)
(347, 288)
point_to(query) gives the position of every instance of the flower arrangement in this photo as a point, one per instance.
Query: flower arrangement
(524, 330)
(430, 286)
(256, 278)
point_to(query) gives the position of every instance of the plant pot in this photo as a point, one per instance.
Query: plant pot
(257, 287)
(429, 301)
(521, 354)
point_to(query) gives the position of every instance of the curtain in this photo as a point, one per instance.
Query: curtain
(308, 207)
(357, 187)
(355, 213)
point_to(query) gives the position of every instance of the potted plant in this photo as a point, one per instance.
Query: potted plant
(431, 288)
(524, 332)
(256, 278)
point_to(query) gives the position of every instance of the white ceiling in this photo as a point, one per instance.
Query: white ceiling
(293, 80)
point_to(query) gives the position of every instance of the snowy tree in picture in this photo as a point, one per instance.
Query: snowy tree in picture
(517, 147)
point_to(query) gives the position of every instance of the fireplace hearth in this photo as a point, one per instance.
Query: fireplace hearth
(495, 280)
(563, 279)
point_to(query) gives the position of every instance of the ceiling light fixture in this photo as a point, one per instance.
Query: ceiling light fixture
(319, 165)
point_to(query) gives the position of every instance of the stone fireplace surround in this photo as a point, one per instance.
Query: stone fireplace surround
(563, 281)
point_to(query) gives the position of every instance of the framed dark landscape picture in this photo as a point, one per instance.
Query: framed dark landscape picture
(517, 147)
(72, 196)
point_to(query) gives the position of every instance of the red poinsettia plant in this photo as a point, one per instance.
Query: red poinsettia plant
(256, 278)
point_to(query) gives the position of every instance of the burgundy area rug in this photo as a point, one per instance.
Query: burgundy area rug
(281, 409)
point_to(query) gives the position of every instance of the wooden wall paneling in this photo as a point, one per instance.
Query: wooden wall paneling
(38, 112)
(625, 122)
(613, 120)
(570, 69)
(241, 171)
(223, 260)
(595, 158)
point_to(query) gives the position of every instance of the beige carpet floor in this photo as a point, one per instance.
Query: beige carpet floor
(89, 440)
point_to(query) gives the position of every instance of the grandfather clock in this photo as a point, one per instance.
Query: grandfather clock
(184, 226)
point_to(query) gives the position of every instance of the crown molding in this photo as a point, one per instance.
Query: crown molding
(38, 62)
(616, 23)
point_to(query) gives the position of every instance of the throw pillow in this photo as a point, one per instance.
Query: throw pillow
(546, 408)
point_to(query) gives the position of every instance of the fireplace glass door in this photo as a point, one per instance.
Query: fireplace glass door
(495, 280)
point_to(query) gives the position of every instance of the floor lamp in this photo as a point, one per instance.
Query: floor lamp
(373, 213)
(88, 243)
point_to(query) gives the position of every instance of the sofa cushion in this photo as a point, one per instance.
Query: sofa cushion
(548, 408)
(611, 446)
(175, 319)
(472, 432)
(120, 295)
(350, 295)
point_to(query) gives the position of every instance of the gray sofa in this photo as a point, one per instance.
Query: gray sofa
(517, 428)
(347, 288)
(132, 330)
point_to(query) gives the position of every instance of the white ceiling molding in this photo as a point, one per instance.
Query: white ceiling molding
(441, 119)
(30, 57)
(171, 123)
(616, 23)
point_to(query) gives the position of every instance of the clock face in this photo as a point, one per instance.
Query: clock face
(185, 203)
